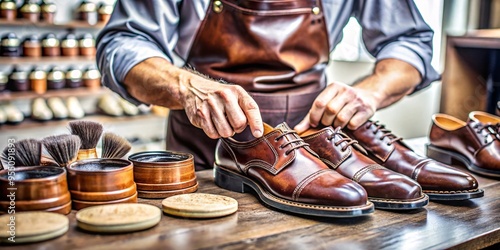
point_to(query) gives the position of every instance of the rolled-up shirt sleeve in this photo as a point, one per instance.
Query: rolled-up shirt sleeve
(395, 29)
(136, 31)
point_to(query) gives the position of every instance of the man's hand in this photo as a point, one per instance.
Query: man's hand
(343, 105)
(340, 105)
(221, 110)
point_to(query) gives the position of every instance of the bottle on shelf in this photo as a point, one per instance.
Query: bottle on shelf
(55, 78)
(92, 78)
(10, 45)
(18, 80)
(49, 9)
(4, 79)
(8, 10)
(104, 11)
(69, 45)
(87, 11)
(32, 47)
(30, 10)
(50, 45)
(38, 80)
(87, 45)
(73, 78)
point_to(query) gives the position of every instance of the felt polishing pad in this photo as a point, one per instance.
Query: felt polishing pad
(199, 205)
(32, 226)
(118, 218)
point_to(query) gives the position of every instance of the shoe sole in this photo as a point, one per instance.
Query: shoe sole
(393, 204)
(447, 157)
(241, 184)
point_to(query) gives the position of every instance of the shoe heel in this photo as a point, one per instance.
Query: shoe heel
(436, 154)
(227, 181)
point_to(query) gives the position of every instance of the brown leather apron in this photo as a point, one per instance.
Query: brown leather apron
(276, 50)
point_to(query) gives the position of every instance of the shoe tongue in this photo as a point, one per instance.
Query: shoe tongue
(283, 126)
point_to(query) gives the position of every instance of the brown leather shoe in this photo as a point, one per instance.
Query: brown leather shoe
(286, 175)
(386, 189)
(475, 144)
(438, 181)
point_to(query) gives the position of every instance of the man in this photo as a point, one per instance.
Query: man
(271, 56)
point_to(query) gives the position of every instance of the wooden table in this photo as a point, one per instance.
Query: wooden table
(463, 225)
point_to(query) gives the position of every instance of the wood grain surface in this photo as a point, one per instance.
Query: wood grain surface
(462, 225)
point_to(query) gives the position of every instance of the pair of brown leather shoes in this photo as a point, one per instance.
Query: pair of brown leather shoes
(475, 143)
(286, 174)
(438, 181)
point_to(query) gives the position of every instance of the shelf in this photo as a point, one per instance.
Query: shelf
(9, 96)
(69, 25)
(46, 59)
(104, 119)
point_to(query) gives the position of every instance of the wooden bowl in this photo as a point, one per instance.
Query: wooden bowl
(163, 170)
(101, 180)
(77, 204)
(34, 188)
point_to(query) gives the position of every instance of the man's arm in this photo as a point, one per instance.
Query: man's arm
(395, 33)
(134, 54)
(219, 109)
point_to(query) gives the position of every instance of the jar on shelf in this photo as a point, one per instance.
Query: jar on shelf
(87, 45)
(4, 79)
(104, 11)
(8, 10)
(10, 45)
(32, 47)
(18, 80)
(49, 9)
(69, 45)
(38, 80)
(50, 45)
(92, 78)
(73, 78)
(87, 11)
(56, 78)
(30, 10)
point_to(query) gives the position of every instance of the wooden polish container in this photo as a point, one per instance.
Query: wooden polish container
(50, 45)
(32, 46)
(8, 10)
(39, 188)
(31, 11)
(38, 81)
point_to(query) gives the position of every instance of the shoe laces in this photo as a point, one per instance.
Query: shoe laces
(385, 132)
(490, 128)
(349, 141)
(295, 143)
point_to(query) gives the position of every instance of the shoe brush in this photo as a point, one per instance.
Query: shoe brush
(22, 153)
(114, 146)
(89, 133)
(63, 149)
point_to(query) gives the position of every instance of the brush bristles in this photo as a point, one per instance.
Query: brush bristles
(62, 148)
(88, 131)
(26, 152)
(114, 146)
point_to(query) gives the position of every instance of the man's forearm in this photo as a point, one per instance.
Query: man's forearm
(155, 81)
(391, 80)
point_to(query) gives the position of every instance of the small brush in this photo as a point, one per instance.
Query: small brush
(62, 148)
(114, 146)
(89, 133)
(22, 153)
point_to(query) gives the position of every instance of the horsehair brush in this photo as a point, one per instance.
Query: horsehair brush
(89, 132)
(22, 153)
(114, 146)
(62, 148)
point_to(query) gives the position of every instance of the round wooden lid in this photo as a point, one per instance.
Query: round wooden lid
(32, 226)
(199, 205)
(118, 218)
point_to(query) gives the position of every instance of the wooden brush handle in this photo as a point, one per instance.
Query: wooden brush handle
(86, 154)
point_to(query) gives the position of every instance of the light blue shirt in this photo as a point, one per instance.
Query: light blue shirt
(141, 29)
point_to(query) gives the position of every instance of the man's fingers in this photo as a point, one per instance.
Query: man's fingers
(320, 104)
(234, 113)
(218, 117)
(303, 125)
(204, 121)
(252, 112)
(358, 119)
